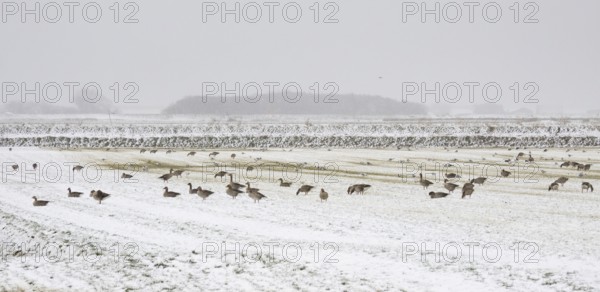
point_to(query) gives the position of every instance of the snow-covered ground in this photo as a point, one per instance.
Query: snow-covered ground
(377, 241)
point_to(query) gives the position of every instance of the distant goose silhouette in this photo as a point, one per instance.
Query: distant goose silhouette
(220, 174)
(153, 151)
(452, 175)
(587, 167)
(521, 154)
(553, 187)
(126, 176)
(213, 154)
(169, 151)
(166, 177)
(581, 167)
(176, 173)
(323, 195)
(142, 151)
(249, 189)
(479, 180)
(39, 203)
(565, 164)
(99, 196)
(437, 195)
(233, 192)
(561, 180)
(193, 153)
(168, 194)
(74, 194)
(204, 193)
(77, 168)
(587, 187)
(304, 189)
(450, 186)
(192, 190)
(467, 192)
(256, 196)
(233, 156)
(284, 184)
(233, 184)
(504, 173)
(425, 183)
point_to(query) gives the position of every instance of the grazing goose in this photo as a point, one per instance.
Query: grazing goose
(169, 151)
(284, 184)
(581, 167)
(153, 151)
(213, 154)
(504, 173)
(304, 189)
(553, 187)
(233, 156)
(204, 193)
(467, 192)
(15, 167)
(77, 168)
(233, 184)
(437, 195)
(250, 168)
(39, 203)
(323, 195)
(450, 186)
(249, 189)
(452, 175)
(256, 196)
(99, 196)
(35, 166)
(126, 176)
(192, 190)
(561, 180)
(176, 173)
(479, 180)
(193, 153)
(233, 192)
(142, 151)
(358, 188)
(565, 164)
(220, 174)
(166, 177)
(587, 167)
(587, 186)
(521, 154)
(74, 194)
(425, 183)
(168, 194)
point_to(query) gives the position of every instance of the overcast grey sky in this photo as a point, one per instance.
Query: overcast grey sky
(170, 52)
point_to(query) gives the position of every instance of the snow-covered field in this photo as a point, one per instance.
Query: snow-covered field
(137, 240)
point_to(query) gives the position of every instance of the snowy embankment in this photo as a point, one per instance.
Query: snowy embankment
(324, 133)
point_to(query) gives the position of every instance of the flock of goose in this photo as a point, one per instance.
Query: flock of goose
(234, 189)
(469, 187)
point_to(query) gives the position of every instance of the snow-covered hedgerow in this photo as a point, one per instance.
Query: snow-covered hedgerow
(374, 134)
